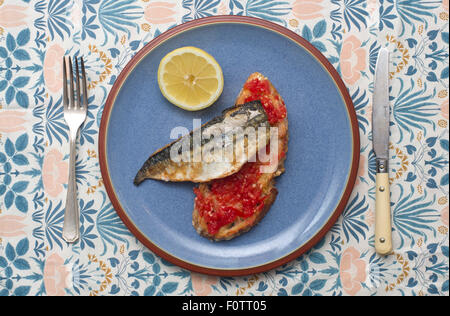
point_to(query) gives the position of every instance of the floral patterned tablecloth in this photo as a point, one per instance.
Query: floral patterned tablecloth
(108, 260)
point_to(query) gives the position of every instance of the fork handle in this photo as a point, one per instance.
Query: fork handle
(71, 227)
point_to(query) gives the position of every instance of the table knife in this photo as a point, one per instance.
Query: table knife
(380, 138)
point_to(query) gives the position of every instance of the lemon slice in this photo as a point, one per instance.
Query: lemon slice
(190, 78)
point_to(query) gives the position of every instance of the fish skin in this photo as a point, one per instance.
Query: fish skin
(160, 166)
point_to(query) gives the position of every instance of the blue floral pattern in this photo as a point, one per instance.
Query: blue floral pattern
(108, 260)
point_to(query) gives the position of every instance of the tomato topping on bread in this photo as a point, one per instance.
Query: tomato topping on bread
(225, 208)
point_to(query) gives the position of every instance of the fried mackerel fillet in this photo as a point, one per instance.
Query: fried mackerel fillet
(167, 163)
(227, 207)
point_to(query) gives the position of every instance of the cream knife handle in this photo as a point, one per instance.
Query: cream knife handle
(383, 228)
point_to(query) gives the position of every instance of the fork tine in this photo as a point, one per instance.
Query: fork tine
(78, 101)
(65, 98)
(72, 97)
(84, 84)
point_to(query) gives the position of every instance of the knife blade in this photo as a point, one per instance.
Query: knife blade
(380, 139)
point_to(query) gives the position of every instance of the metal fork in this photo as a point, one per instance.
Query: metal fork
(75, 110)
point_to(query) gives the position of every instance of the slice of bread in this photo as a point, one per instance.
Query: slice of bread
(228, 207)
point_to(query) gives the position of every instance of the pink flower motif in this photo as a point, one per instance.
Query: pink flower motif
(372, 6)
(12, 121)
(444, 109)
(223, 9)
(307, 9)
(55, 275)
(352, 60)
(54, 173)
(12, 226)
(75, 15)
(445, 5)
(370, 218)
(202, 283)
(53, 68)
(444, 216)
(352, 271)
(160, 12)
(361, 169)
(369, 109)
(13, 15)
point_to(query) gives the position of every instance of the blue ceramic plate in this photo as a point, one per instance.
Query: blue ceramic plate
(321, 162)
